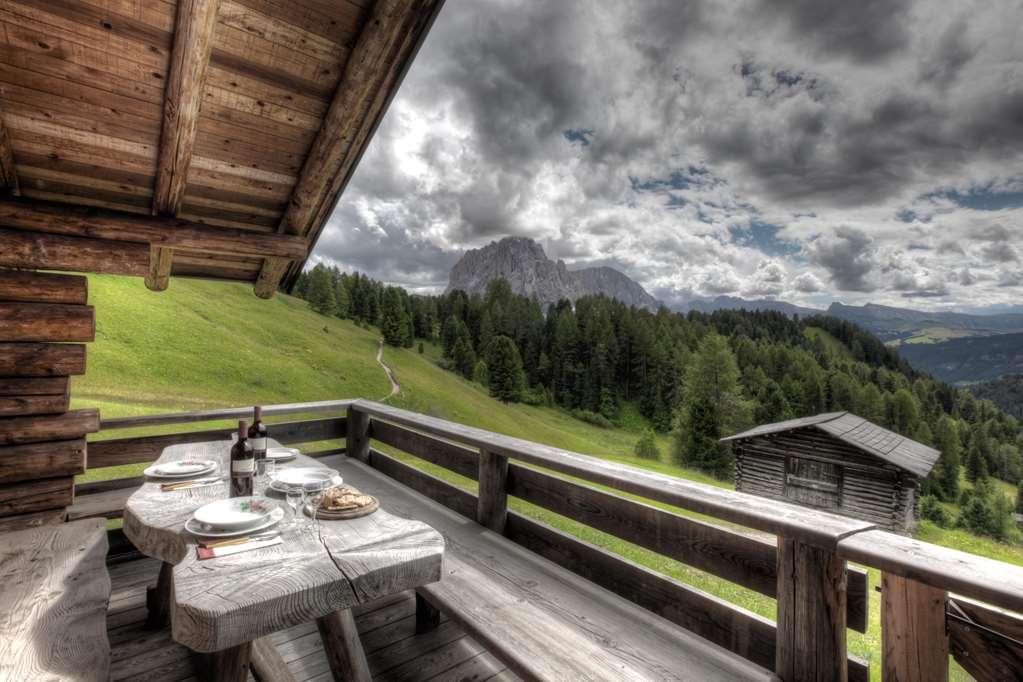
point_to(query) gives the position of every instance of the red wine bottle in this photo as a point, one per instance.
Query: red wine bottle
(243, 466)
(257, 435)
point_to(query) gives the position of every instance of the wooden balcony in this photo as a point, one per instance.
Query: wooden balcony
(795, 555)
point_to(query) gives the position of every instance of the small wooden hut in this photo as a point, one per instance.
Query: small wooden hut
(835, 461)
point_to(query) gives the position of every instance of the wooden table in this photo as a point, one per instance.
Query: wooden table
(223, 605)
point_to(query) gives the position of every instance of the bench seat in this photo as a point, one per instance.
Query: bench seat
(543, 621)
(54, 590)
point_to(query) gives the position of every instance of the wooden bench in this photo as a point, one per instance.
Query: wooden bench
(54, 589)
(543, 621)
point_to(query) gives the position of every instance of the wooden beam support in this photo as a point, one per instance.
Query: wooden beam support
(24, 249)
(161, 259)
(343, 648)
(42, 460)
(23, 405)
(24, 497)
(43, 287)
(267, 663)
(811, 613)
(28, 386)
(230, 665)
(357, 434)
(8, 170)
(83, 221)
(47, 322)
(73, 424)
(270, 276)
(492, 504)
(914, 643)
(382, 52)
(41, 359)
(190, 58)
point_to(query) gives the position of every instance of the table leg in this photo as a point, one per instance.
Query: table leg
(158, 600)
(230, 665)
(267, 664)
(343, 647)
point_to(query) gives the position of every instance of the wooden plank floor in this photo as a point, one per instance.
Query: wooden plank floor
(387, 627)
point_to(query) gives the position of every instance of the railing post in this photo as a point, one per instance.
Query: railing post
(914, 640)
(811, 613)
(357, 434)
(492, 504)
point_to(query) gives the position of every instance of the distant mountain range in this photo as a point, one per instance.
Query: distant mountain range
(524, 265)
(968, 359)
(709, 305)
(903, 324)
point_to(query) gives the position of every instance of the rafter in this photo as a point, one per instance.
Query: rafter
(384, 48)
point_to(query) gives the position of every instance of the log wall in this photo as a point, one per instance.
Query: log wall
(42, 441)
(870, 489)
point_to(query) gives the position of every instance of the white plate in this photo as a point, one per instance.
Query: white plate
(310, 478)
(193, 527)
(281, 488)
(185, 468)
(281, 454)
(235, 513)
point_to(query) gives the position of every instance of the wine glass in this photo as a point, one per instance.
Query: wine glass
(315, 498)
(296, 499)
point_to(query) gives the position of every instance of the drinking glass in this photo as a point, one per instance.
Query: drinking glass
(296, 499)
(263, 474)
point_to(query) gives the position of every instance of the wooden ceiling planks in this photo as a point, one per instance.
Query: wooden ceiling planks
(96, 115)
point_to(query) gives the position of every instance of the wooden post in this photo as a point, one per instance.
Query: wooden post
(914, 639)
(427, 615)
(492, 504)
(267, 663)
(161, 260)
(343, 648)
(158, 599)
(230, 665)
(811, 613)
(357, 434)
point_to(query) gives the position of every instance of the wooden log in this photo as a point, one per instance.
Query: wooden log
(8, 169)
(974, 648)
(427, 616)
(459, 459)
(47, 322)
(811, 613)
(270, 276)
(158, 598)
(186, 81)
(230, 665)
(161, 260)
(914, 643)
(28, 386)
(32, 496)
(77, 254)
(492, 503)
(42, 460)
(73, 424)
(267, 663)
(41, 359)
(33, 520)
(106, 226)
(11, 406)
(357, 438)
(343, 647)
(43, 287)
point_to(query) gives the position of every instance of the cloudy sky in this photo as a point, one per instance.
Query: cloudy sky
(807, 150)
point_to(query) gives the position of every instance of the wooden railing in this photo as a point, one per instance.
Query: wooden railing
(804, 566)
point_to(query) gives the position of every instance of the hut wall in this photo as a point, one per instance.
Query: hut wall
(869, 488)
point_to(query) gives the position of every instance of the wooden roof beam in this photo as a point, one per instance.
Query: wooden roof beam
(83, 221)
(8, 173)
(383, 50)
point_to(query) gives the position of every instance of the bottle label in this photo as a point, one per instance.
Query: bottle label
(243, 466)
(258, 444)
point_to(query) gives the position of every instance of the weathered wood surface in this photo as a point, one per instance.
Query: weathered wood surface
(73, 424)
(343, 648)
(42, 460)
(541, 619)
(267, 664)
(54, 589)
(492, 499)
(914, 642)
(46, 322)
(818, 528)
(449, 455)
(307, 577)
(41, 359)
(25, 249)
(8, 170)
(179, 233)
(717, 620)
(231, 664)
(967, 574)
(47, 517)
(23, 497)
(16, 406)
(357, 434)
(334, 406)
(983, 656)
(43, 287)
(193, 44)
(32, 386)
(161, 262)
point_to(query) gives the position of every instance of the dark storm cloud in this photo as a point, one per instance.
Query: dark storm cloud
(848, 256)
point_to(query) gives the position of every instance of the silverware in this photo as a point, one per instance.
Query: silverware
(187, 484)
(226, 542)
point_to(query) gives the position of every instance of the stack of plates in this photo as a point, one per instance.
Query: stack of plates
(309, 478)
(234, 516)
(185, 468)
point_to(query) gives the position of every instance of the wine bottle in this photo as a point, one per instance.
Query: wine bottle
(257, 435)
(243, 466)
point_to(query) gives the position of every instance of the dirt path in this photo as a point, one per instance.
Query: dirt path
(395, 386)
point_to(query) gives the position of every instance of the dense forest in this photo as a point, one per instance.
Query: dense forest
(698, 376)
(1006, 392)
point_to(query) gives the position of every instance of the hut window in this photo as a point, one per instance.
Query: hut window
(812, 482)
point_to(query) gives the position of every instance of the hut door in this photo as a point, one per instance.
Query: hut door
(812, 483)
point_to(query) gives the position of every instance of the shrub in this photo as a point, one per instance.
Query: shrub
(421, 348)
(931, 510)
(646, 446)
(593, 418)
(988, 512)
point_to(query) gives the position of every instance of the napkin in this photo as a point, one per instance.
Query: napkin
(211, 552)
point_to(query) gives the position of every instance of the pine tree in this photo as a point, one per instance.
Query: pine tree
(342, 298)
(946, 473)
(976, 461)
(646, 446)
(320, 291)
(393, 318)
(504, 366)
(464, 356)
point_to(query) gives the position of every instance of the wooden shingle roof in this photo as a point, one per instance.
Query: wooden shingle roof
(872, 439)
(207, 138)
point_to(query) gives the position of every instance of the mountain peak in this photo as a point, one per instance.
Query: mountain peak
(527, 269)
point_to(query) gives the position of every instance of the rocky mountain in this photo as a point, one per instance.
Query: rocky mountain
(903, 324)
(709, 305)
(525, 266)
